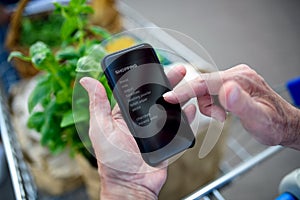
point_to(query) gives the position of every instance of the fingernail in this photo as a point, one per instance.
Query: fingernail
(82, 81)
(234, 95)
(181, 69)
(168, 95)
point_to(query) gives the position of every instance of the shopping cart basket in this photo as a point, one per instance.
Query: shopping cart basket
(244, 153)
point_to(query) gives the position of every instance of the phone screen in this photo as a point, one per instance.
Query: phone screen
(138, 82)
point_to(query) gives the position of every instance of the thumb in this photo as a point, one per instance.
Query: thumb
(99, 104)
(236, 100)
(100, 118)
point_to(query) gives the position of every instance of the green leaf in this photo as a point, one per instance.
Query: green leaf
(82, 50)
(86, 9)
(75, 3)
(36, 120)
(81, 114)
(67, 119)
(58, 7)
(79, 34)
(18, 54)
(52, 135)
(41, 92)
(56, 147)
(67, 54)
(44, 29)
(88, 64)
(62, 97)
(50, 129)
(41, 56)
(109, 92)
(68, 28)
(100, 31)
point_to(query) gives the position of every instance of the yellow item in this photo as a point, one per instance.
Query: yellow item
(119, 44)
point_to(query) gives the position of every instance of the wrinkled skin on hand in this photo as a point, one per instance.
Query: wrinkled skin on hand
(123, 172)
(262, 112)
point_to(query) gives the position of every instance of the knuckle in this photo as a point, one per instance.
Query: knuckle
(200, 79)
(247, 71)
(244, 67)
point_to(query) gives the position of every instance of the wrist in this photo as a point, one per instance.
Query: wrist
(292, 131)
(112, 189)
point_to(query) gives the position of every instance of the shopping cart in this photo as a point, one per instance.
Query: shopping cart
(21, 178)
(242, 153)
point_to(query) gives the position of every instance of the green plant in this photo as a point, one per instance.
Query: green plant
(79, 54)
(41, 28)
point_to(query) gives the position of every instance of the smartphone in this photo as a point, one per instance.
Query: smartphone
(138, 81)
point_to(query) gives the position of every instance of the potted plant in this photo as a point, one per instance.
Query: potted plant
(78, 54)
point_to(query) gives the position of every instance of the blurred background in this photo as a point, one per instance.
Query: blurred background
(264, 34)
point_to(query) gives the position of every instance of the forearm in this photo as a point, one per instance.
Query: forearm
(115, 190)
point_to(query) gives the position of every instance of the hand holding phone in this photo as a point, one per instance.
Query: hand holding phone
(138, 82)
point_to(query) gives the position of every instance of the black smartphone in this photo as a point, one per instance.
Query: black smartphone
(138, 81)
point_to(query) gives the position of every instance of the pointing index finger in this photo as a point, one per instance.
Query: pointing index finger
(176, 74)
(209, 83)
